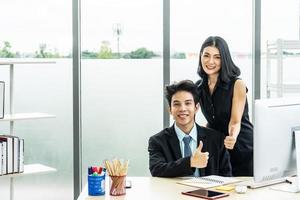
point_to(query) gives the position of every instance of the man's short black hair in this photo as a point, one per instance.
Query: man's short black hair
(184, 85)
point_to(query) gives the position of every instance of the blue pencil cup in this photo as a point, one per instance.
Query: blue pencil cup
(96, 185)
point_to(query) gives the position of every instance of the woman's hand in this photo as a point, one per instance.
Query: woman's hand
(229, 142)
(237, 110)
(233, 132)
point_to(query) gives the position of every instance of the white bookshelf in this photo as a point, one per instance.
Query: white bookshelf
(275, 51)
(11, 117)
(33, 169)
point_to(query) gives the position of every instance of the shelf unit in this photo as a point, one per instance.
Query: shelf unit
(12, 117)
(275, 51)
(25, 116)
(33, 169)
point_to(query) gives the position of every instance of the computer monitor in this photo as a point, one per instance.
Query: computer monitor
(275, 123)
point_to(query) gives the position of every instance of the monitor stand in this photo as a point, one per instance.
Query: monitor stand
(253, 185)
(294, 182)
(294, 185)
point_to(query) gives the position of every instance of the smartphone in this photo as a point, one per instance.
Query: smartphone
(128, 184)
(206, 194)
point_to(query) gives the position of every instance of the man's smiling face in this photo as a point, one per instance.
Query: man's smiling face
(183, 110)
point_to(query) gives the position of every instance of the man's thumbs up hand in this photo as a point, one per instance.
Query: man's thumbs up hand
(199, 158)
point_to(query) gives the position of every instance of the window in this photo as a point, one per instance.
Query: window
(35, 30)
(121, 81)
(280, 48)
(193, 21)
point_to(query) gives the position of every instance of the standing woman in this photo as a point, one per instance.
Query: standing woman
(224, 103)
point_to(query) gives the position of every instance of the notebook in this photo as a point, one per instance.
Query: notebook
(208, 181)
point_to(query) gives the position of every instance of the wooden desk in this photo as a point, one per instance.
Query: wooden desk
(145, 188)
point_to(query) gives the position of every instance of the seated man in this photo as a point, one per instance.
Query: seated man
(186, 148)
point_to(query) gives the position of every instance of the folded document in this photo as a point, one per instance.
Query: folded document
(208, 181)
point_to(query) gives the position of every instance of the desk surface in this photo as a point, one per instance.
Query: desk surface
(167, 189)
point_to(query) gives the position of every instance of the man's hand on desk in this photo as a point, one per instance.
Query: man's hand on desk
(199, 159)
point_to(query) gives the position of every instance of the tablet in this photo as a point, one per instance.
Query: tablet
(206, 194)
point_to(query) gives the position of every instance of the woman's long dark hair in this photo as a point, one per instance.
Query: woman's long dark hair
(228, 69)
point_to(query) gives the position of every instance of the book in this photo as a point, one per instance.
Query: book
(2, 93)
(4, 157)
(15, 154)
(1, 147)
(21, 155)
(208, 181)
(9, 152)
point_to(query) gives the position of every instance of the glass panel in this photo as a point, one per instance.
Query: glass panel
(280, 44)
(122, 81)
(36, 30)
(210, 18)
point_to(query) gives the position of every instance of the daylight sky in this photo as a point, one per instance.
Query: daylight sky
(26, 24)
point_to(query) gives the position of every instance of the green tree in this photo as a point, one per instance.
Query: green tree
(88, 54)
(5, 51)
(178, 55)
(140, 53)
(105, 51)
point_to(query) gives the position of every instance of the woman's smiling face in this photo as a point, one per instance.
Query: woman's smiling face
(211, 60)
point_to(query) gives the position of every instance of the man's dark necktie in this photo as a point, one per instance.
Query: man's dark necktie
(187, 149)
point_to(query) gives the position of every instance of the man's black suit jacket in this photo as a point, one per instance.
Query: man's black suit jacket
(165, 158)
